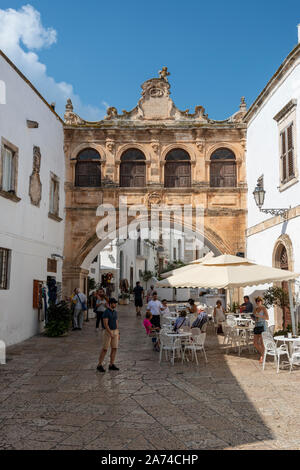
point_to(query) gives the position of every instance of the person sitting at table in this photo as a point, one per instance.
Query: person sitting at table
(193, 307)
(181, 321)
(247, 306)
(165, 309)
(219, 316)
(151, 330)
(201, 319)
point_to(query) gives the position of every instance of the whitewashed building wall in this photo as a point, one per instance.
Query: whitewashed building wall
(263, 158)
(25, 229)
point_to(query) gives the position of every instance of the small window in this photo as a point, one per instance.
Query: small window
(54, 195)
(8, 168)
(51, 265)
(5, 256)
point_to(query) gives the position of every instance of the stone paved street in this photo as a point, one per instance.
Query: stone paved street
(51, 397)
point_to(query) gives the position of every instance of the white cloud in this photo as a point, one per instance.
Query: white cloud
(22, 32)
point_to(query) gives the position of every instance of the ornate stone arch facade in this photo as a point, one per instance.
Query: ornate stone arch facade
(155, 126)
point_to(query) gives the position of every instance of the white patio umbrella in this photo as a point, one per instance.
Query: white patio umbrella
(228, 271)
(184, 268)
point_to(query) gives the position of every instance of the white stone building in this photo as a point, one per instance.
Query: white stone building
(273, 150)
(31, 202)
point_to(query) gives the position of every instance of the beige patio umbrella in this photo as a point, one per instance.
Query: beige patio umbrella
(228, 271)
(184, 268)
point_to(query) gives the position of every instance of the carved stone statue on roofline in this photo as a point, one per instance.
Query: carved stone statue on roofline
(163, 73)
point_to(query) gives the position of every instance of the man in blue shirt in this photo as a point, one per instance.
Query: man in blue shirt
(247, 306)
(111, 335)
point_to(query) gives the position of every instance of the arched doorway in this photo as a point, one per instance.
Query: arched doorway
(133, 169)
(177, 169)
(282, 259)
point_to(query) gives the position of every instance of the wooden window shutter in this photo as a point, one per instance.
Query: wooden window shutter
(36, 287)
(283, 156)
(290, 151)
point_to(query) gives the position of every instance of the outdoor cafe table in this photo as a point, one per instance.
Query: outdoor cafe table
(289, 341)
(184, 334)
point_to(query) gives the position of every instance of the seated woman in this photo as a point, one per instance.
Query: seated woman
(150, 330)
(193, 307)
(165, 309)
(181, 321)
(201, 319)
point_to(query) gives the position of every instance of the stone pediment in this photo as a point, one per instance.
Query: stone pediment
(155, 105)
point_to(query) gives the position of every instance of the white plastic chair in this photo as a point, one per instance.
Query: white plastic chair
(169, 344)
(272, 350)
(196, 344)
(295, 357)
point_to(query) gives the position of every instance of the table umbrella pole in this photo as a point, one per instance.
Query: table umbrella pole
(292, 308)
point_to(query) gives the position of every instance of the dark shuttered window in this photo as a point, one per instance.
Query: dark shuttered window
(287, 154)
(88, 169)
(177, 169)
(223, 169)
(133, 169)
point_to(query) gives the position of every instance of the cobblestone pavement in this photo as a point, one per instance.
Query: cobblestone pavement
(52, 397)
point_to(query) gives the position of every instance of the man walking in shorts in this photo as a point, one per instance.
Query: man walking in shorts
(138, 292)
(111, 335)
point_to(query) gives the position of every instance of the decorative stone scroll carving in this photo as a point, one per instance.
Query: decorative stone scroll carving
(35, 185)
(72, 118)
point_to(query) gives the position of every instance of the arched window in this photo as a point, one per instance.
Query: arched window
(222, 169)
(88, 169)
(177, 169)
(133, 169)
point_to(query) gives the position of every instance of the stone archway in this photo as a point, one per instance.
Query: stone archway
(76, 265)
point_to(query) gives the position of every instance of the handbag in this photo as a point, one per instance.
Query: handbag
(83, 304)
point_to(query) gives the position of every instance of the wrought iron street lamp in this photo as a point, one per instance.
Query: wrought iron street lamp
(259, 197)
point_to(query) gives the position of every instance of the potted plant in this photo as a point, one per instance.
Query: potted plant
(59, 319)
(278, 296)
(124, 298)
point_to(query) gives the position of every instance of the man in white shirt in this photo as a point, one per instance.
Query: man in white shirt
(155, 307)
(79, 302)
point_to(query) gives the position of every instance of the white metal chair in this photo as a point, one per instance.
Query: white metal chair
(196, 344)
(226, 331)
(169, 344)
(272, 350)
(271, 329)
(236, 340)
(295, 357)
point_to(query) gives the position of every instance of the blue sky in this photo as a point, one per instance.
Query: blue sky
(100, 52)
